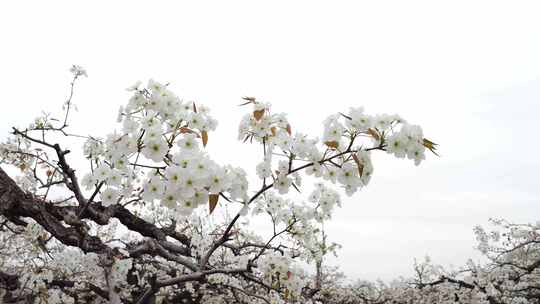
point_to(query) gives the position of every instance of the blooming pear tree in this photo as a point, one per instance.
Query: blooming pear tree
(508, 274)
(136, 223)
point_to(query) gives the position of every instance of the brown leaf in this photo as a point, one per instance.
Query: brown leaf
(289, 129)
(332, 144)
(204, 136)
(359, 164)
(373, 133)
(194, 108)
(273, 130)
(186, 130)
(212, 202)
(430, 145)
(258, 114)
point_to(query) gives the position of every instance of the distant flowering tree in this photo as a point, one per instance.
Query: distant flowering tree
(130, 229)
(509, 274)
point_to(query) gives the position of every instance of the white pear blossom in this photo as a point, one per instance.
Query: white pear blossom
(102, 172)
(109, 196)
(114, 178)
(170, 198)
(155, 149)
(189, 143)
(397, 145)
(153, 189)
(264, 170)
(282, 183)
(219, 181)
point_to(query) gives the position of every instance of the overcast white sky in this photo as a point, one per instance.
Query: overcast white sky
(467, 71)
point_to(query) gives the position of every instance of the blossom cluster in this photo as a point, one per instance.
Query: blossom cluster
(278, 271)
(343, 158)
(326, 199)
(302, 220)
(170, 134)
(399, 137)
